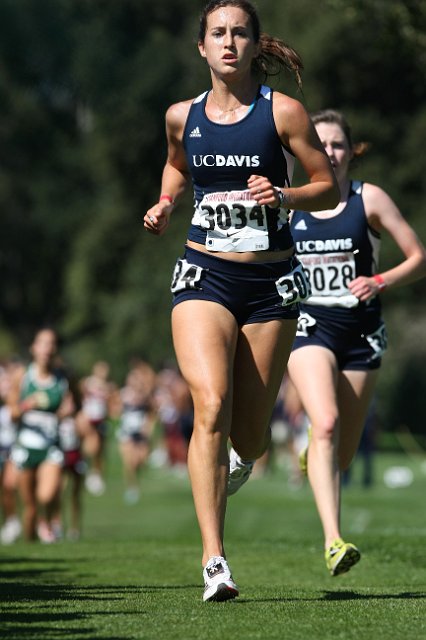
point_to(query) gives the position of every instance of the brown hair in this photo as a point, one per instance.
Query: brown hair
(336, 117)
(274, 54)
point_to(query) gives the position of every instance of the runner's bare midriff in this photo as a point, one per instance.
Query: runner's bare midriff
(246, 256)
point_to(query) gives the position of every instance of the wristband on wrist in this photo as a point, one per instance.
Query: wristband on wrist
(166, 196)
(378, 278)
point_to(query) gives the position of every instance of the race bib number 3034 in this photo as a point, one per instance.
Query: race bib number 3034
(233, 222)
(293, 287)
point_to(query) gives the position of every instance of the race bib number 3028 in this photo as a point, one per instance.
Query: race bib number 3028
(329, 274)
(293, 287)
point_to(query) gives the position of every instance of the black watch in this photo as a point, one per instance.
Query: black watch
(281, 199)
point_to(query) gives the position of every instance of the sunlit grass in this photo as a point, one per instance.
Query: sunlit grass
(136, 572)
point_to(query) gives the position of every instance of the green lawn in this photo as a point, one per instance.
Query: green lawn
(136, 571)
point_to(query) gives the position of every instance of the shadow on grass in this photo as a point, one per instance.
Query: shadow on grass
(353, 595)
(20, 623)
(27, 588)
(43, 598)
(336, 596)
(27, 601)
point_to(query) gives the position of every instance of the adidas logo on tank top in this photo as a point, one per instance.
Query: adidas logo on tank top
(195, 133)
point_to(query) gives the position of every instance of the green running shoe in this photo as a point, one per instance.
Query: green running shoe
(341, 556)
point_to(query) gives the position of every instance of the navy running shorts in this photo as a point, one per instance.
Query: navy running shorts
(252, 292)
(357, 337)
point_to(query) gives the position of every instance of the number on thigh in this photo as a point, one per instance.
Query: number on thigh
(186, 276)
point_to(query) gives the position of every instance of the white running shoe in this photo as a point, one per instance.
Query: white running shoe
(45, 533)
(239, 471)
(218, 583)
(95, 484)
(11, 530)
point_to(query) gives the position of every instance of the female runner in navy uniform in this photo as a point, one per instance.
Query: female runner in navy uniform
(341, 337)
(236, 290)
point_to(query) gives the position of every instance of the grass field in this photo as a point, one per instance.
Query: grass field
(136, 574)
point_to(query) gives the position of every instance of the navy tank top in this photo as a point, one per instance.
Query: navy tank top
(336, 250)
(221, 158)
